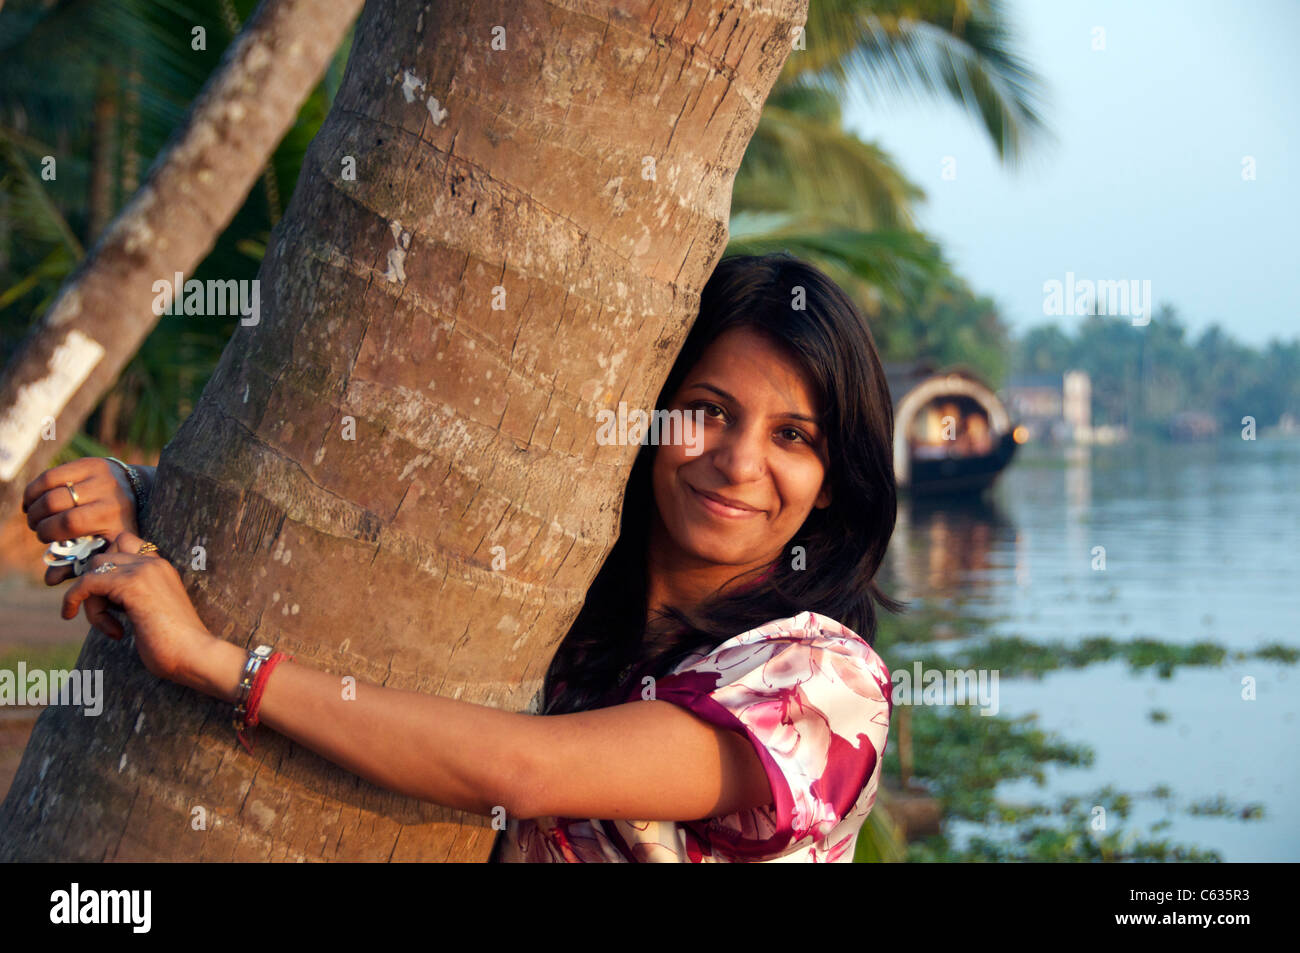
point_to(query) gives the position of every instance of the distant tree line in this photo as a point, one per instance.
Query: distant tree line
(1143, 375)
(947, 324)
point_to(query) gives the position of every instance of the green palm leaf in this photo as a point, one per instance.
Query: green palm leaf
(963, 49)
(881, 267)
(800, 158)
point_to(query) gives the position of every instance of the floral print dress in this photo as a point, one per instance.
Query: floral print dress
(813, 698)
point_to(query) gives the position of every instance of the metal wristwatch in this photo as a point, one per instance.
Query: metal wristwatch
(255, 659)
(137, 487)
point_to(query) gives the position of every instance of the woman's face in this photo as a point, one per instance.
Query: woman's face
(761, 465)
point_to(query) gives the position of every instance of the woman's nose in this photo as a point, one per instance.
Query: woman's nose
(740, 455)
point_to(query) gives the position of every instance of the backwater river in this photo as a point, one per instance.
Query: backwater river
(1201, 544)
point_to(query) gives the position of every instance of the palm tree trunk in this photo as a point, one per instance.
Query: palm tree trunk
(103, 159)
(130, 179)
(106, 308)
(394, 474)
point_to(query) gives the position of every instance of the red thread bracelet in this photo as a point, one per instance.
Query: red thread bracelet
(255, 695)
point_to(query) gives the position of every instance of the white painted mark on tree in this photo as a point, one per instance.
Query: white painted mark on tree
(410, 83)
(436, 111)
(616, 187)
(20, 428)
(397, 256)
(422, 460)
(262, 813)
(65, 309)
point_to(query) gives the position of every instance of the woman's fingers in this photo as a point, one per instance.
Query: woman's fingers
(96, 505)
(167, 629)
(56, 500)
(88, 584)
(125, 542)
(57, 574)
(111, 585)
(97, 612)
(75, 472)
(94, 487)
(122, 553)
(98, 518)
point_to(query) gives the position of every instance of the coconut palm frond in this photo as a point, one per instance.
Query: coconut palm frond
(881, 267)
(963, 49)
(49, 272)
(809, 163)
(33, 214)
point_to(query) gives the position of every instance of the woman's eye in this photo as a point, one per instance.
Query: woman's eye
(791, 434)
(707, 406)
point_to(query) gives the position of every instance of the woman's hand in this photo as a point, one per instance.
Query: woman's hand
(171, 639)
(105, 505)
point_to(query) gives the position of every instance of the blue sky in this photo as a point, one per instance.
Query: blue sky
(1143, 178)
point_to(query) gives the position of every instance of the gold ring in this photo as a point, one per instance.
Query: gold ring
(76, 501)
(146, 548)
(107, 567)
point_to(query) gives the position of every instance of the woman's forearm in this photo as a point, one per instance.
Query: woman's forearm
(449, 752)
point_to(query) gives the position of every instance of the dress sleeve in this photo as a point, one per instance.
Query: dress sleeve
(812, 698)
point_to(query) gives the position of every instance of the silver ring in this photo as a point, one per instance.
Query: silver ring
(107, 567)
(76, 501)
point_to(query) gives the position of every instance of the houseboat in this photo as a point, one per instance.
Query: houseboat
(952, 435)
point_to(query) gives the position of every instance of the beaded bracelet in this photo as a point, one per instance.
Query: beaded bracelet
(137, 487)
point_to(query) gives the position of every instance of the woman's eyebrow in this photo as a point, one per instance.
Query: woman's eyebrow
(723, 394)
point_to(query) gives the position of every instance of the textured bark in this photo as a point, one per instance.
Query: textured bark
(477, 169)
(105, 309)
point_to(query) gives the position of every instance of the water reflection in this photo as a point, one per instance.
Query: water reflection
(948, 547)
(1175, 543)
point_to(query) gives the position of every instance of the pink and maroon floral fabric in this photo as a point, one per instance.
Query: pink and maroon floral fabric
(813, 698)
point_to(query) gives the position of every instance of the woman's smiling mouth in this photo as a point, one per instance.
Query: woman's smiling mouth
(720, 506)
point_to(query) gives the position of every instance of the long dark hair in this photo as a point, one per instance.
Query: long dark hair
(843, 544)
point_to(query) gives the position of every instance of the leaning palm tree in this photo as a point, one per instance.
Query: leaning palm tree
(262, 496)
(394, 473)
(157, 70)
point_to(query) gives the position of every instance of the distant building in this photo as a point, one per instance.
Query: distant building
(1288, 425)
(1056, 408)
(1193, 425)
(1076, 402)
